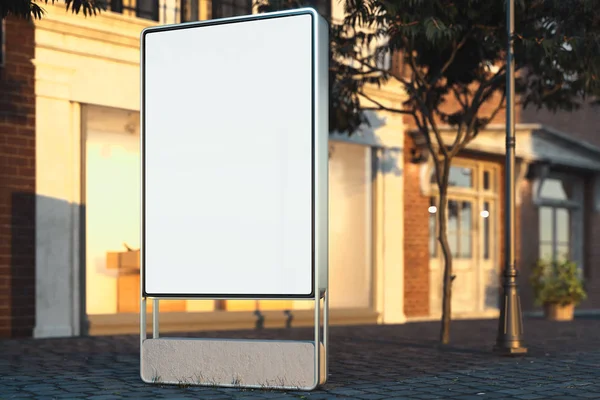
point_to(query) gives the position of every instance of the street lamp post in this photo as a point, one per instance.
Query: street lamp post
(510, 324)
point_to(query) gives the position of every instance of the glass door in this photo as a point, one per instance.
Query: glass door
(461, 233)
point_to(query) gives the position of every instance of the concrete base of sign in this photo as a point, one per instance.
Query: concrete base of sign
(275, 364)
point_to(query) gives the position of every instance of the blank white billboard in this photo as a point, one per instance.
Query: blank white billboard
(234, 157)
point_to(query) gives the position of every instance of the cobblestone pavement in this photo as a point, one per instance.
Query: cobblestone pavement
(367, 362)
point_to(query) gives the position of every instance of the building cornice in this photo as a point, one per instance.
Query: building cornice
(108, 35)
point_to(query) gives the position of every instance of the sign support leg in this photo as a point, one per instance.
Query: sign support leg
(325, 334)
(155, 328)
(142, 326)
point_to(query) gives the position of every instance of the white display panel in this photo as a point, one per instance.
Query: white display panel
(228, 143)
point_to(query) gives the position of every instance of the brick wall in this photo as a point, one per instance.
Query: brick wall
(17, 182)
(583, 124)
(485, 110)
(416, 239)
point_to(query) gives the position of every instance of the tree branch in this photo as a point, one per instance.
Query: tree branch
(381, 107)
(436, 132)
(416, 71)
(453, 55)
(473, 131)
(457, 144)
(458, 98)
(499, 107)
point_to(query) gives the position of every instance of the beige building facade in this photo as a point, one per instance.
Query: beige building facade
(87, 183)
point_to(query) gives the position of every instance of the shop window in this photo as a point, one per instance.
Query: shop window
(459, 228)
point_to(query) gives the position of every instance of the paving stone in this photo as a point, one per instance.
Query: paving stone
(513, 392)
(346, 392)
(366, 362)
(562, 397)
(372, 396)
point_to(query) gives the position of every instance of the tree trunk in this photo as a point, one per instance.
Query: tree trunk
(443, 240)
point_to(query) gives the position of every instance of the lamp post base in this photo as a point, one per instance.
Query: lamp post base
(510, 351)
(510, 324)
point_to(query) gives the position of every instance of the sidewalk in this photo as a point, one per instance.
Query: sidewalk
(367, 362)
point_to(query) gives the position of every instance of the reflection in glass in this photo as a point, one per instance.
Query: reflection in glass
(465, 244)
(452, 216)
(486, 230)
(562, 225)
(465, 216)
(562, 251)
(453, 242)
(546, 251)
(545, 223)
(432, 228)
(459, 177)
(466, 219)
(554, 232)
(487, 180)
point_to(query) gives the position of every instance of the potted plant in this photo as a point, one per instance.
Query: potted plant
(557, 286)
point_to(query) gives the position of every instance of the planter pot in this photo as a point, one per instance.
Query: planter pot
(556, 312)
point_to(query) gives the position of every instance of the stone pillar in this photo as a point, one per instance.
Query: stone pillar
(59, 289)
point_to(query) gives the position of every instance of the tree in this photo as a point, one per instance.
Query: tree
(30, 9)
(453, 56)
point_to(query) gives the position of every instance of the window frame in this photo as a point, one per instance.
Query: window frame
(232, 3)
(574, 205)
(195, 14)
(554, 243)
(133, 6)
(2, 43)
(479, 196)
(155, 10)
